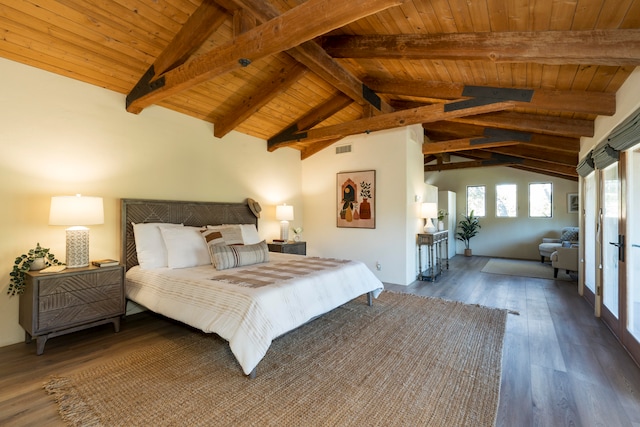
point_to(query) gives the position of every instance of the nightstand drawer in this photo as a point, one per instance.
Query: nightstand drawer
(296, 248)
(74, 299)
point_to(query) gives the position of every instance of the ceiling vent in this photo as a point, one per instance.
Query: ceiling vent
(342, 149)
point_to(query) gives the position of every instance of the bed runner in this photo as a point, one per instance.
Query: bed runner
(265, 274)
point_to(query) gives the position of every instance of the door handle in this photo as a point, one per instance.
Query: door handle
(620, 245)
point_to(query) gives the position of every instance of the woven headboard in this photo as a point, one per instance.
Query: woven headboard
(176, 212)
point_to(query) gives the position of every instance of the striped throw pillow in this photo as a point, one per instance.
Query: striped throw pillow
(225, 256)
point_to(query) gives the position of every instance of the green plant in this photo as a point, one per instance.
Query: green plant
(23, 264)
(468, 227)
(441, 214)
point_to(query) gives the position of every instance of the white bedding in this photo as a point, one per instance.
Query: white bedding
(237, 306)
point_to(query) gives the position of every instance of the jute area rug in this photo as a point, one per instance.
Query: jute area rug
(406, 361)
(524, 268)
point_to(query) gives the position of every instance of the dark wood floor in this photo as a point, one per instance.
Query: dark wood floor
(561, 366)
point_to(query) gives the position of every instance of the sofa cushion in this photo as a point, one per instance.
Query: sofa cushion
(569, 234)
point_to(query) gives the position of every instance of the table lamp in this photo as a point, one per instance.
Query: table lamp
(429, 211)
(77, 211)
(284, 213)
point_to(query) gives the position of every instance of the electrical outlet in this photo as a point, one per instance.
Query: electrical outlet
(378, 266)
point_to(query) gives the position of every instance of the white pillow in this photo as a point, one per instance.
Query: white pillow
(249, 234)
(231, 233)
(185, 247)
(150, 247)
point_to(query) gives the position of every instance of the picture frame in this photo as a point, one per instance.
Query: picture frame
(573, 203)
(356, 199)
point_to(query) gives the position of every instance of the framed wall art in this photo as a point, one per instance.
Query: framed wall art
(572, 202)
(356, 197)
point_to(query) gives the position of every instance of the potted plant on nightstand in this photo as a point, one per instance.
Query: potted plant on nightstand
(468, 227)
(36, 259)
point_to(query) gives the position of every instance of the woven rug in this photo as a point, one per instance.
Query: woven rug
(406, 361)
(524, 268)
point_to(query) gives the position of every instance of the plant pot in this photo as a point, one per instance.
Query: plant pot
(37, 264)
(467, 252)
(440, 225)
(365, 209)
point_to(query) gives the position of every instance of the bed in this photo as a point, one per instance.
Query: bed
(248, 305)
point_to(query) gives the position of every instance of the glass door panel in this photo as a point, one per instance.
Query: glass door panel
(633, 245)
(610, 214)
(589, 239)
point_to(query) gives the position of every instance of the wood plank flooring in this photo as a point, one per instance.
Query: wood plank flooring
(561, 366)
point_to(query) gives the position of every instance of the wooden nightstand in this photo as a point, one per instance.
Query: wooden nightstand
(74, 299)
(296, 248)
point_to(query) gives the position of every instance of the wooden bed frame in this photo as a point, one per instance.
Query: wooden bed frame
(185, 212)
(176, 212)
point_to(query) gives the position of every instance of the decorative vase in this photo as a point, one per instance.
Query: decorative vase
(365, 209)
(37, 264)
(296, 238)
(349, 215)
(440, 226)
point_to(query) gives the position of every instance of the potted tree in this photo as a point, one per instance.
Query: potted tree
(36, 259)
(468, 227)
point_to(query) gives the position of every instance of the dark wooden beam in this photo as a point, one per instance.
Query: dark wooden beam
(619, 47)
(596, 103)
(318, 61)
(279, 34)
(206, 19)
(252, 104)
(312, 118)
(394, 120)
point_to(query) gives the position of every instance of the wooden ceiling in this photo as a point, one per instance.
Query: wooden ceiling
(495, 82)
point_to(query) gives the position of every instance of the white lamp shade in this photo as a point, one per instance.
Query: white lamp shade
(76, 210)
(284, 212)
(429, 210)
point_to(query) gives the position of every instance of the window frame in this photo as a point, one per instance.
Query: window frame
(515, 215)
(484, 201)
(550, 199)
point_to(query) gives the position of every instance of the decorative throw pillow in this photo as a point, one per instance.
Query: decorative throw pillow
(150, 247)
(185, 247)
(570, 235)
(211, 238)
(226, 256)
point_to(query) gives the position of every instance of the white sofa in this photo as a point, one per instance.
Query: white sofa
(550, 245)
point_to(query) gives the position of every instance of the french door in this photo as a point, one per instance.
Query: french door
(611, 249)
(631, 334)
(590, 220)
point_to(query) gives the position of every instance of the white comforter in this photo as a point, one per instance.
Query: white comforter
(249, 317)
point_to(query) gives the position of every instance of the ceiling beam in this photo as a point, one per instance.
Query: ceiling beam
(319, 62)
(396, 119)
(312, 118)
(448, 130)
(619, 47)
(288, 30)
(597, 103)
(252, 104)
(534, 153)
(549, 125)
(537, 165)
(463, 144)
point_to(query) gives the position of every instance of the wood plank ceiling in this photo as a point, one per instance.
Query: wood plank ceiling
(494, 82)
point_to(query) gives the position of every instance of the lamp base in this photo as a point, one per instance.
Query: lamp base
(429, 227)
(284, 231)
(77, 247)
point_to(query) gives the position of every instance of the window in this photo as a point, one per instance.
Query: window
(506, 200)
(540, 201)
(475, 200)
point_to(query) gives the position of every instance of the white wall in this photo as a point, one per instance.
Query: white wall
(627, 102)
(62, 137)
(397, 159)
(507, 237)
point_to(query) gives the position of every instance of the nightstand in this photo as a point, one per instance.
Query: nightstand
(74, 299)
(296, 248)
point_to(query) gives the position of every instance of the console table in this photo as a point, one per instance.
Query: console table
(435, 259)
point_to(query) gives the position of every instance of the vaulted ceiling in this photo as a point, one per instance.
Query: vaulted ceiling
(495, 82)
